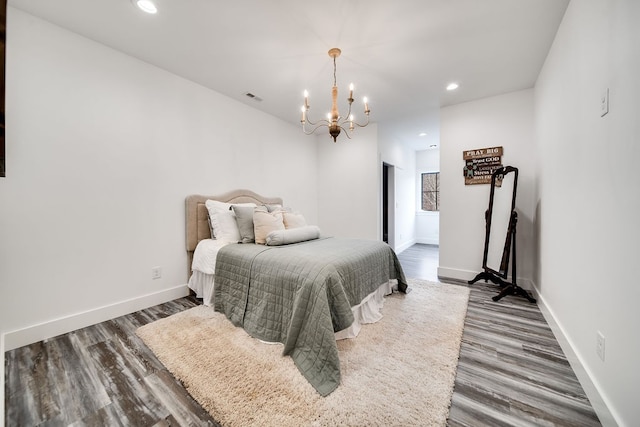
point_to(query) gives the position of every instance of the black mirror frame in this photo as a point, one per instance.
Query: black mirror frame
(509, 251)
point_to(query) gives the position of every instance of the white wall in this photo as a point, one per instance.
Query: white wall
(588, 200)
(507, 121)
(427, 223)
(101, 151)
(348, 193)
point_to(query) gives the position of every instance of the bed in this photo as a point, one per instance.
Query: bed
(304, 294)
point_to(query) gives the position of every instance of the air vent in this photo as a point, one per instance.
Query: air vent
(252, 96)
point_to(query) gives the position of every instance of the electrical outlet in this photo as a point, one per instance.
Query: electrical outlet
(600, 345)
(156, 273)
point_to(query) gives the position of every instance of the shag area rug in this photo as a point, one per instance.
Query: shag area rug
(397, 372)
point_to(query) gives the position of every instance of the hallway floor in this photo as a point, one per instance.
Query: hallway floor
(511, 370)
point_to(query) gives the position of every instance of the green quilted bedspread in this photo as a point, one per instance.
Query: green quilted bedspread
(300, 294)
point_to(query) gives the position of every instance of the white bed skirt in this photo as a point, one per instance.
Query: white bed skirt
(368, 311)
(202, 284)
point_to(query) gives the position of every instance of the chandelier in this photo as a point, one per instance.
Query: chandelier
(334, 121)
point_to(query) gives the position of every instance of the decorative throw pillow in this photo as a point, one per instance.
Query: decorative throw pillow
(273, 208)
(244, 220)
(293, 235)
(264, 223)
(293, 220)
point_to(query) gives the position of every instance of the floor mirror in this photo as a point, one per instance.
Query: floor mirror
(500, 235)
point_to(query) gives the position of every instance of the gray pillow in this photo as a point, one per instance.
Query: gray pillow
(274, 208)
(293, 235)
(244, 219)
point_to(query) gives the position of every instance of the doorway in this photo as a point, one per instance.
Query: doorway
(388, 204)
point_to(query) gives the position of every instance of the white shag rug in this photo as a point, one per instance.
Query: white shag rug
(397, 372)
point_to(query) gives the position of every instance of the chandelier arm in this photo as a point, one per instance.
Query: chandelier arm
(345, 132)
(346, 118)
(362, 125)
(318, 123)
(317, 126)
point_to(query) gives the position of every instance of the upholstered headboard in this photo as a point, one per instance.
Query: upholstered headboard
(197, 222)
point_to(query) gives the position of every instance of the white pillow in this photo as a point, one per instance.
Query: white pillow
(264, 223)
(223, 220)
(214, 204)
(293, 220)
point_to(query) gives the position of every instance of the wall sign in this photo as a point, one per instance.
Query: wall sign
(479, 164)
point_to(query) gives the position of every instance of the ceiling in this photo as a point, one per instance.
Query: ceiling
(400, 54)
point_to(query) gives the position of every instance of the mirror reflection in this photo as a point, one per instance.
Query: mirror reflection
(499, 247)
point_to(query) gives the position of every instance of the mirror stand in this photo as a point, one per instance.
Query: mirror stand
(508, 288)
(500, 246)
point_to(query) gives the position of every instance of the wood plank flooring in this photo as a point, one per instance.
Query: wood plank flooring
(102, 375)
(511, 371)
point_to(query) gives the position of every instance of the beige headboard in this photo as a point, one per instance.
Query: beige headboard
(197, 215)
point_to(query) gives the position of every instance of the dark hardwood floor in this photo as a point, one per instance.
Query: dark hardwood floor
(511, 371)
(102, 375)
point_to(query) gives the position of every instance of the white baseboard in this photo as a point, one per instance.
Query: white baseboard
(405, 246)
(428, 240)
(76, 321)
(456, 274)
(593, 393)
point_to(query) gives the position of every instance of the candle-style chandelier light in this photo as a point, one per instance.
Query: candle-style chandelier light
(334, 121)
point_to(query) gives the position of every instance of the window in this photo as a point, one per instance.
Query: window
(431, 191)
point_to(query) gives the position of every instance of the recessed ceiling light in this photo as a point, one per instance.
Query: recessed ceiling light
(146, 5)
(452, 86)
(422, 134)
